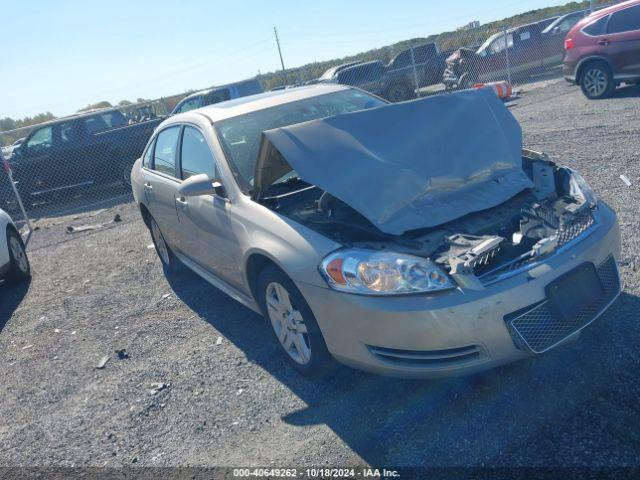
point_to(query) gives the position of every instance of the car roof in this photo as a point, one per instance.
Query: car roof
(613, 8)
(239, 106)
(213, 89)
(598, 14)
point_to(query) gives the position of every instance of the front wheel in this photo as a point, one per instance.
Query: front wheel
(293, 324)
(597, 81)
(19, 268)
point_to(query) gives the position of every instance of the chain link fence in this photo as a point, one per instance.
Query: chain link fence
(75, 162)
(82, 161)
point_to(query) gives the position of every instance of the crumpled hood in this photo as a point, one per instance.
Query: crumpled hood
(409, 165)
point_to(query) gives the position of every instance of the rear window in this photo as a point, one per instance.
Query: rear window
(625, 20)
(595, 28)
(218, 96)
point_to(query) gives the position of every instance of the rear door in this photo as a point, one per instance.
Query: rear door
(161, 183)
(622, 42)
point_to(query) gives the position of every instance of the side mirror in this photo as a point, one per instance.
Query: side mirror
(201, 184)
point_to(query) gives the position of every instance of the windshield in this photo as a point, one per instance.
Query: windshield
(241, 135)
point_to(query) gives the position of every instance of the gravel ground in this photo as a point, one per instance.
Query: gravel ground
(201, 383)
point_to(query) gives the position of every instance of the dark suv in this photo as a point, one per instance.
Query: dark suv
(603, 50)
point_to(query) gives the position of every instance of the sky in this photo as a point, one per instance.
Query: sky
(61, 55)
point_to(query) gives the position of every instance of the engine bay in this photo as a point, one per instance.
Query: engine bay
(476, 249)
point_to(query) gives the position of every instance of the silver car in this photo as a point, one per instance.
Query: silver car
(416, 239)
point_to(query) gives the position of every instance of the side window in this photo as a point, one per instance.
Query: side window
(498, 45)
(218, 96)
(165, 151)
(67, 132)
(596, 28)
(146, 159)
(95, 124)
(195, 155)
(402, 60)
(42, 137)
(114, 119)
(625, 20)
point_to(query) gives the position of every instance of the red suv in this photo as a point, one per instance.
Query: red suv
(603, 50)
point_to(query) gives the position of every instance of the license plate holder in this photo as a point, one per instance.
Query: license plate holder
(573, 291)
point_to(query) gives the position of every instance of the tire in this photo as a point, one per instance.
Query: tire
(170, 263)
(596, 81)
(399, 92)
(465, 82)
(297, 333)
(125, 178)
(19, 268)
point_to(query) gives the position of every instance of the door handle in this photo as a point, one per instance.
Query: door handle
(148, 185)
(603, 42)
(182, 200)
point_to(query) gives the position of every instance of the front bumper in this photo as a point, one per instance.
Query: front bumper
(454, 332)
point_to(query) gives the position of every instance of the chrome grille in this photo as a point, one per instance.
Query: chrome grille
(575, 228)
(540, 330)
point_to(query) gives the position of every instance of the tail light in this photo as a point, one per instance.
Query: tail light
(568, 43)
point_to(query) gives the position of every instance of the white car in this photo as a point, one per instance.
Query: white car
(14, 264)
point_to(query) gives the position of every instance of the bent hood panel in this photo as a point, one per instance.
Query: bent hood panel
(409, 165)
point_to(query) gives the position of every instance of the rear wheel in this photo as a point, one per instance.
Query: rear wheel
(596, 81)
(169, 261)
(293, 324)
(19, 268)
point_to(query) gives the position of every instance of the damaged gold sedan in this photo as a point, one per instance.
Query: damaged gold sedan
(416, 239)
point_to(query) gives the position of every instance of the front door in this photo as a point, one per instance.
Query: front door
(206, 232)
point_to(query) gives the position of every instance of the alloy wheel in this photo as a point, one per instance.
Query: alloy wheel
(161, 245)
(595, 82)
(288, 323)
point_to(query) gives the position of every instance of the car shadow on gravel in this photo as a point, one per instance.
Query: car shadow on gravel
(628, 91)
(10, 298)
(547, 410)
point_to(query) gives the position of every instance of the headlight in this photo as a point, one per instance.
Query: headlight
(578, 187)
(371, 272)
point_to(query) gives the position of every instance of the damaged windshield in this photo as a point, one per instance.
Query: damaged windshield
(241, 135)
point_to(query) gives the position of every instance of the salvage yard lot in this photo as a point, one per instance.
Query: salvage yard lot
(202, 383)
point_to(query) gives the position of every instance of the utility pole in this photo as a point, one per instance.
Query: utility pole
(284, 72)
(590, 6)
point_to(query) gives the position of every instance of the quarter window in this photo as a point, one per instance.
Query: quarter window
(195, 155)
(596, 27)
(164, 159)
(625, 20)
(43, 137)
